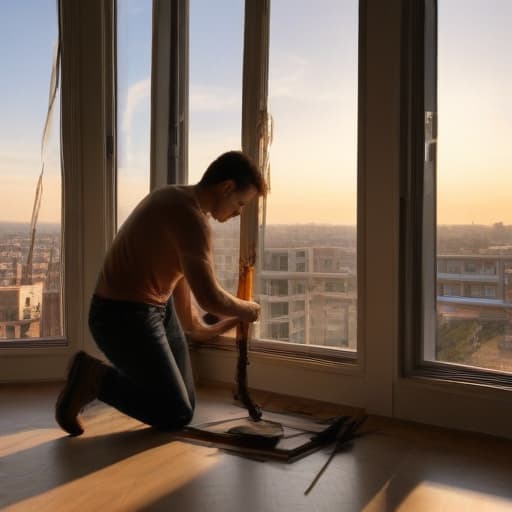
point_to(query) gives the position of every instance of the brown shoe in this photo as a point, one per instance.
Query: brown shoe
(81, 388)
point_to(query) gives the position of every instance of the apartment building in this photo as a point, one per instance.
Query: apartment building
(41, 293)
(20, 311)
(476, 287)
(308, 295)
(226, 251)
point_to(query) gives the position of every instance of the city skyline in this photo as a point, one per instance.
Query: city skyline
(307, 286)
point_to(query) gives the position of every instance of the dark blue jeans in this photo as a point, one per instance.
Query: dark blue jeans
(151, 378)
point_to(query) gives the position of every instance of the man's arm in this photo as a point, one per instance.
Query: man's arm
(190, 321)
(210, 295)
(192, 240)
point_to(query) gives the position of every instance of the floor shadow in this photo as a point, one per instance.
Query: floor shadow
(28, 409)
(54, 463)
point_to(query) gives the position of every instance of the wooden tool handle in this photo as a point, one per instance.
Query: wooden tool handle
(245, 287)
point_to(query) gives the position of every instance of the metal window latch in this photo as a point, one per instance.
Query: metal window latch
(430, 136)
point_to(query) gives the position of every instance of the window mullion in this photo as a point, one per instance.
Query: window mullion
(429, 217)
(93, 32)
(169, 93)
(254, 105)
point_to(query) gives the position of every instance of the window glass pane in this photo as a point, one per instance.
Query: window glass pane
(474, 226)
(216, 51)
(309, 228)
(134, 21)
(30, 259)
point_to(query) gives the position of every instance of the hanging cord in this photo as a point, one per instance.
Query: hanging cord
(54, 85)
(266, 128)
(246, 274)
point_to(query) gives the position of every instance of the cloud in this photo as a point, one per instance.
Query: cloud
(296, 78)
(291, 75)
(214, 99)
(202, 99)
(136, 95)
(136, 7)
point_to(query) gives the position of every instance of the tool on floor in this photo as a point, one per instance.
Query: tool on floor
(343, 433)
(300, 435)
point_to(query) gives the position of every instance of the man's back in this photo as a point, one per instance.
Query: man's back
(143, 264)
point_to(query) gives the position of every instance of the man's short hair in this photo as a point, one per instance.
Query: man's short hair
(236, 166)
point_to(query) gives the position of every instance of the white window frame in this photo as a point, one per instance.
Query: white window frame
(88, 184)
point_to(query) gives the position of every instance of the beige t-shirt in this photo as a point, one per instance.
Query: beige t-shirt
(143, 263)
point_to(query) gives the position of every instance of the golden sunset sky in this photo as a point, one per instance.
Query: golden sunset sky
(312, 97)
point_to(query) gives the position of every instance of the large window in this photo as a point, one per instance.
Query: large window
(457, 223)
(309, 218)
(30, 198)
(473, 325)
(231, 84)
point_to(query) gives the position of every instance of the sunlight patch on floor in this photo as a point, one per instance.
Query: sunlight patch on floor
(26, 439)
(126, 485)
(396, 494)
(428, 496)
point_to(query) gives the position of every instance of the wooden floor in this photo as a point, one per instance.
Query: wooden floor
(120, 465)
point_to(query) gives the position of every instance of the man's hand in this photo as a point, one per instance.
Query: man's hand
(251, 313)
(203, 332)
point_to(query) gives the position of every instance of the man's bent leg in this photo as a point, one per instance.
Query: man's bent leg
(146, 382)
(179, 347)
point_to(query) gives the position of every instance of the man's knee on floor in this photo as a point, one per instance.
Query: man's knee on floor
(172, 417)
(186, 415)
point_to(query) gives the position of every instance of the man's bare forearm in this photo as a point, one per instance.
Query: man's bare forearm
(210, 295)
(206, 332)
(220, 302)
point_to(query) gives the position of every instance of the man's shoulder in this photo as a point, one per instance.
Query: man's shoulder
(179, 201)
(175, 192)
(175, 197)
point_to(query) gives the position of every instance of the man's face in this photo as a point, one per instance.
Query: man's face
(231, 201)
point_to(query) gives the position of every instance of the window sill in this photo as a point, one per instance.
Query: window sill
(455, 387)
(463, 406)
(261, 352)
(43, 346)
